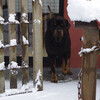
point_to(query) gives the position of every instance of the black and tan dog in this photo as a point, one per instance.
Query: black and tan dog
(58, 44)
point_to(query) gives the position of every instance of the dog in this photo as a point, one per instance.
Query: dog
(58, 44)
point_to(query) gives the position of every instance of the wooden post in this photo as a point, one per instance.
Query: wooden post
(37, 44)
(2, 77)
(12, 35)
(89, 65)
(24, 32)
(89, 61)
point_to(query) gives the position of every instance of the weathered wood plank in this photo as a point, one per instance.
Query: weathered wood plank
(2, 76)
(12, 35)
(37, 44)
(24, 32)
(2, 82)
(89, 64)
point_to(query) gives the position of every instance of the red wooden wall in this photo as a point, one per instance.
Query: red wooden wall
(75, 35)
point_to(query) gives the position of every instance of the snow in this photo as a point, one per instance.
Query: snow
(52, 91)
(13, 42)
(84, 10)
(38, 80)
(37, 21)
(2, 66)
(1, 44)
(87, 50)
(25, 41)
(12, 18)
(1, 20)
(24, 17)
(24, 64)
(40, 2)
(12, 65)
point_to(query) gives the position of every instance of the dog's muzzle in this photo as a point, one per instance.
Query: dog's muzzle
(58, 35)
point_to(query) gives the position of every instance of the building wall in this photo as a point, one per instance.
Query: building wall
(54, 4)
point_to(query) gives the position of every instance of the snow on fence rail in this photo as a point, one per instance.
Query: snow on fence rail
(13, 66)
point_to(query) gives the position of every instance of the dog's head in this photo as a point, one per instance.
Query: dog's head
(57, 26)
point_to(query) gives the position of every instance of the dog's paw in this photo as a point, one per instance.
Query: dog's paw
(54, 81)
(69, 73)
(54, 78)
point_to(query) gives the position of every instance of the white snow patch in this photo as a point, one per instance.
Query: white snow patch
(12, 19)
(36, 21)
(87, 50)
(13, 42)
(1, 20)
(84, 10)
(24, 18)
(51, 91)
(40, 2)
(13, 65)
(33, 0)
(1, 44)
(38, 80)
(2, 66)
(24, 64)
(25, 41)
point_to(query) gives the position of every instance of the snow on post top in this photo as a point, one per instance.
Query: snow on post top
(84, 10)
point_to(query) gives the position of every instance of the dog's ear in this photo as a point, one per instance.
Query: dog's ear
(67, 24)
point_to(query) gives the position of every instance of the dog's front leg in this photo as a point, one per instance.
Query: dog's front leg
(66, 67)
(53, 73)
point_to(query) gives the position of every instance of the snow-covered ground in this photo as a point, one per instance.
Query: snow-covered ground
(64, 90)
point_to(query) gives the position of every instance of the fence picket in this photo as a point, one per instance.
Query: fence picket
(2, 77)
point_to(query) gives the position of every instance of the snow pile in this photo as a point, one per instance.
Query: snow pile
(38, 80)
(13, 42)
(84, 10)
(25, 41)
(1, 44)
(87, 50)
(36, 21)
(24, 18)
(2, 66)
(12, 19)
(24, 64)
(13, 65)
(1, 20)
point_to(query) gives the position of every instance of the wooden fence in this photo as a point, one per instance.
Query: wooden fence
(37, 44)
